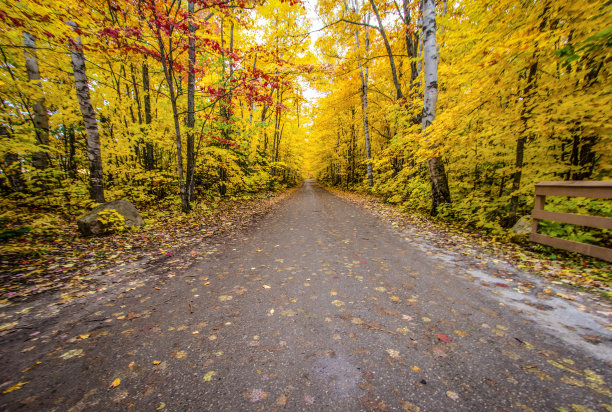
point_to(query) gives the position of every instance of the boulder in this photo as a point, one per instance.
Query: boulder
(523, 226)
(89, 225)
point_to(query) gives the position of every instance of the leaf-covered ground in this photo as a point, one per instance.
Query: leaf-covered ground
(560, 267)
(64, 259)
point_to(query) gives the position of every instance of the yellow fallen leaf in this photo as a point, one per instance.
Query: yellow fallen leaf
(131, 364)
(156, 362)
(282, 400)
(84, 336)
(15, 387)
(415, 368)
(425, 319)
(161, 406)
(71, 353)
(451, 394)
(115, 383)
(209, 375)
(337, 303)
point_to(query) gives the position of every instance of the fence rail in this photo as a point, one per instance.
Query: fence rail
(602, 190)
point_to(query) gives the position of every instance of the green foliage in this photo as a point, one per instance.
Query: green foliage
(580, 206)
(10, 233)
(111, 221)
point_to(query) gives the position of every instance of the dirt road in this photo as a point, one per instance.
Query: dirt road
(319, 307)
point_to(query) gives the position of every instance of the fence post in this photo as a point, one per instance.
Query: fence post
(540, 202)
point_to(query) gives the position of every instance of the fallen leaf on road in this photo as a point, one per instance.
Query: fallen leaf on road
(410, 407)
(15, 387)
(337, 303)
(282, 400)
(452, 395)
(257, 395)
(209, 375)
(71, 353)
(115, 383)
(444, 338)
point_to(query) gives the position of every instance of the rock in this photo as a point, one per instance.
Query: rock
(89, 225)
(523, 226)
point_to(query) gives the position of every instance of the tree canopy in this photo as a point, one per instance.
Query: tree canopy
(178, 102)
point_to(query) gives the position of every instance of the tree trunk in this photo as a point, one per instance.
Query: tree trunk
(277, 121)
(96, 177)
(149, 160)
(520, 143)
(525, 115)
(136, 93)
(40, 118)
(440, 192)
(411, 44)
(366, 126)
(190, 105)
(363, 74)
(168, 66)
(11, 166)
(398, 89)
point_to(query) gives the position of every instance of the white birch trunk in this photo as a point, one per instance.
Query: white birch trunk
(88, 113)
(40, 116)
(439, 184)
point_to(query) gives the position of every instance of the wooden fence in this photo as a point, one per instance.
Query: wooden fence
(602, 190)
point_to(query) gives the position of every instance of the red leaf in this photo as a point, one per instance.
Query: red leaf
(444, 338)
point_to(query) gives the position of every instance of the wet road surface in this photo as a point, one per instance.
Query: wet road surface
(319, 307)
